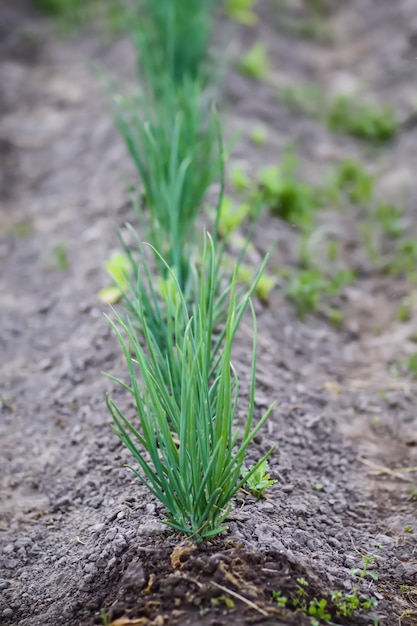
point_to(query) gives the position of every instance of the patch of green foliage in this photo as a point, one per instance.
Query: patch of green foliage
(367, 122)
(348, 603)
(347, 114)
(344, 605)
(307, 287)
(351, 182)
(286, 196)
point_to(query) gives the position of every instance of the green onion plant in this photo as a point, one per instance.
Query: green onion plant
(183, 438)
(156, 300)
(172, 38)
(175, 146)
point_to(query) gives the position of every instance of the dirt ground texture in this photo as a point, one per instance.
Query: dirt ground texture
(78, 534)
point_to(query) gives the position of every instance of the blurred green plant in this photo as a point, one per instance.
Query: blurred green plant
(367, 122)
(255, 63)
(259, 135)
(282, 191)
(307, 98)
(350, 181)
(176, 147)
(241, 11)
(307, 287)
(172, 38)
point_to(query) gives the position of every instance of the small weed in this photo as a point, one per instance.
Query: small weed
(306, 288)
(318, 609)
(265, 283)
(258, 136)
(404, 311)
(334, 315)
(259, 481)
(119, 268)
(411, 364)
(286, 195)
(351, 181)
(223, 601)
(105, 619)
(413, 493)
(314, 29)
(239, 179)
(279, 599)
(255, 63)
(389, 217)
(404, 259)
(375, 124)
(21, 229)
(408, 529)
(318, 486)
(299, 598)
(230, 219)
(344, 605)
(333, 251)
(344, 114)
(241, 11)
(306, 98)
(347, 604)
(59, 256)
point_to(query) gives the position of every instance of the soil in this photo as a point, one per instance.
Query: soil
(80, 538)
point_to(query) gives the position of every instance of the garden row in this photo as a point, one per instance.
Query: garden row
(180, 304)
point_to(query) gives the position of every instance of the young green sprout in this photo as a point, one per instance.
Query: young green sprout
(259, 481)
(259, 135)
(366, 122)
(231, 218)
(255, 63)
(118, 266)
(286, 195)
(241, 11)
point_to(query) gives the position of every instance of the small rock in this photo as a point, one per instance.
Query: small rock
(23, 542)
(7, 612)
(267, 506)
(98, 527)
